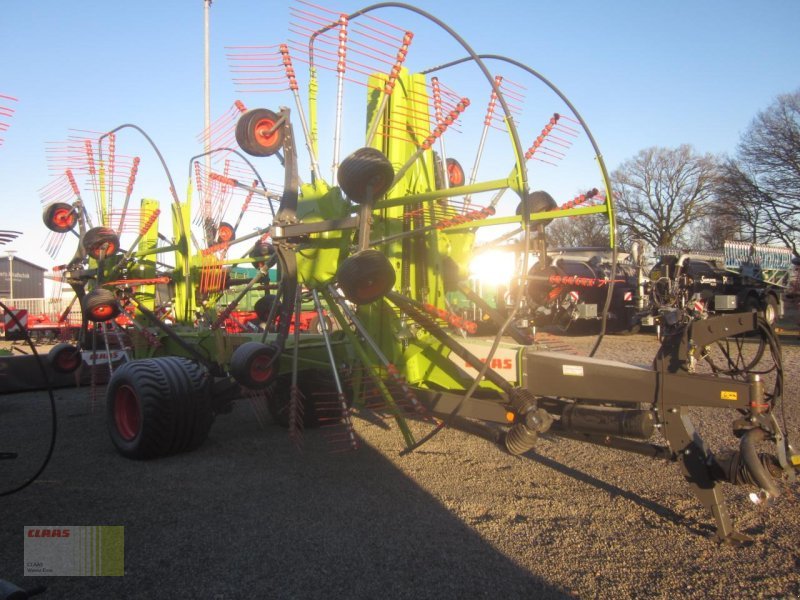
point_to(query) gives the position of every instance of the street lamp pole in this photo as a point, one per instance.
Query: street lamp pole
(10, 254)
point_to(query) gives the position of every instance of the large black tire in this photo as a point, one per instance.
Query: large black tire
(365, 175)
(318, 393)
(254, 365)
(64, 358)
(253, 132)
(100, 305)
(60, 217)
(99, 240)
(366, 276)
(158, 406)
(538, 202)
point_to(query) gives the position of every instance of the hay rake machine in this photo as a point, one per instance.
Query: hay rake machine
(377, 247)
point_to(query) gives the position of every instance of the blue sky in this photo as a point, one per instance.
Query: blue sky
(641, 73)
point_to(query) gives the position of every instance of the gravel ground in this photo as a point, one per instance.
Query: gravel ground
(249, 516)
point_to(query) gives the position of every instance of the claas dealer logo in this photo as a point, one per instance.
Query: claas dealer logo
(48, 533)
(497, 363)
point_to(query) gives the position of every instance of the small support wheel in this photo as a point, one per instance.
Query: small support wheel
(101, 305)
(225, 233)
(254, 365)
(100, 241)
(366, 276)
(365, 175)
(257, 134)
(263, 307)
(60, 217)
(455, 173)
(537, 202)
(64, 358)
(771, 310)
(262, 253)
(317, 326)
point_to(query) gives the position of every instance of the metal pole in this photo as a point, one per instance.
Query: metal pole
(10, 254)
(207, 114)
(207, 79)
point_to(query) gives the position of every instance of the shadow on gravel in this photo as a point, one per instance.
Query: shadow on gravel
(248, 516)
(664, 512)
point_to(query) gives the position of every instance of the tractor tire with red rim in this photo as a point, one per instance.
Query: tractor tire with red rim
(366, 276)
(100, 305)
(254, 365)
(455, 173)
(158, 406)
(64, 358)
(365, 175)
(60, 217)
(538, 202)
(254, 132)
(100, 240)
(225, 233)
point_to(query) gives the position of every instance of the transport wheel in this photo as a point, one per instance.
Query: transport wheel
(254, 365)
(318, 394)
(101, 305)
(60, 217)
(158, 406)
(64, 358)
(100, 240)
(254, 132)
(366, 276)
(365, 175)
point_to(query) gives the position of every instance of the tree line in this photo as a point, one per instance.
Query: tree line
(679, 197)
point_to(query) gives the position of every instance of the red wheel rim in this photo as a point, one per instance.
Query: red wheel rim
(104, 311)
(108, 248)
(260, 368)
(455, 174)
(67, 359)
(126, 412)
(370, 289)
(63, 218)
(225, 233)
(262, 133)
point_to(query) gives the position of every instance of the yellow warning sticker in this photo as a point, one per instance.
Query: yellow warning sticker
(796, 460)
(726, 395)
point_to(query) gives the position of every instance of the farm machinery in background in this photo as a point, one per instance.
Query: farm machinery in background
(376, 247)
(743, 277)
(571, 286)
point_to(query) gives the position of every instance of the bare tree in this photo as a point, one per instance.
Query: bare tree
(571, 232)
(661, 192)
(767, 171)
(741, 204)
